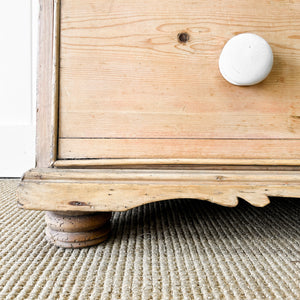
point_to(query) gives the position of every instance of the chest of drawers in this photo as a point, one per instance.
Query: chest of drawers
(132, 108)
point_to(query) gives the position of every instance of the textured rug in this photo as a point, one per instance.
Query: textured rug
(180, 249)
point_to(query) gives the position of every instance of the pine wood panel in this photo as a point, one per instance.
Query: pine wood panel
(124, 74)
(177, 148)
(216, 124)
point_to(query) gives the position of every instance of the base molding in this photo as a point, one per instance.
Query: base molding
(107, 190)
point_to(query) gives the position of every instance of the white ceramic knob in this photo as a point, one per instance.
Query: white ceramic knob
(246, 59)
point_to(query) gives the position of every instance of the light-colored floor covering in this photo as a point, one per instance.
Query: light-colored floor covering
(180, 249)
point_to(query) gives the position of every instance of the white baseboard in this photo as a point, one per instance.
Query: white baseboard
(17, 148)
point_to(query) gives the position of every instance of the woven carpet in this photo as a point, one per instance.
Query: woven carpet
(180, 249)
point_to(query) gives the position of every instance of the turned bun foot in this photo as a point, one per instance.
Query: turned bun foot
(77, 229)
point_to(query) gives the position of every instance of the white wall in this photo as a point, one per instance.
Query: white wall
(18, 41)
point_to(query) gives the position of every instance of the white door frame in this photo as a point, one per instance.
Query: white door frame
(18, 65)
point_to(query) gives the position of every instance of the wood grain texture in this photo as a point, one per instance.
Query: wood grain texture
(119, 190)
(216, 124)
(124, 74)
(176, 148)
(47, 88)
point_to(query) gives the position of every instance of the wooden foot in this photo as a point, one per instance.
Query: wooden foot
(77, 229)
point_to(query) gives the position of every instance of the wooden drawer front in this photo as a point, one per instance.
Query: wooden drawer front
(130, 88)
